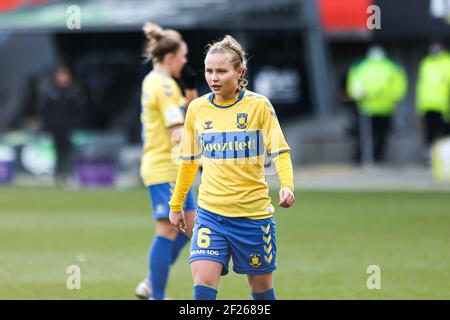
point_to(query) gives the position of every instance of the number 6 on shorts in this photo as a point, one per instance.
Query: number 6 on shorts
(203, 240)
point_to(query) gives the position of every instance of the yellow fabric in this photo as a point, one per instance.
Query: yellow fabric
(284, 169)
(377, 86)
(232, 141)
(188, 171)
(433, 84)
(162, 107)
(185, 178)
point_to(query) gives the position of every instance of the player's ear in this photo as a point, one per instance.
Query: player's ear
(240, 72)
(168, 57)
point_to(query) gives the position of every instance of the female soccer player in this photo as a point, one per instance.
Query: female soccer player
(231, 129)
(162, 121)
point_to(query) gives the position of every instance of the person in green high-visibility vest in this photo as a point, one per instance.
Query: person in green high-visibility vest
(433, 95)
(377, 84)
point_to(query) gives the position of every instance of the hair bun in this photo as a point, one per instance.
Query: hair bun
(152, 31)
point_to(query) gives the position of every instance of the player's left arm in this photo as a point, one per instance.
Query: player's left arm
(285, 174)
(279, 151)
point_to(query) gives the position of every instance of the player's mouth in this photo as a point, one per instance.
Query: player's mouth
(216, 87)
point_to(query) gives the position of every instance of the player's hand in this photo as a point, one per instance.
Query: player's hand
(176, 134)
(177, 219)
(287, 197)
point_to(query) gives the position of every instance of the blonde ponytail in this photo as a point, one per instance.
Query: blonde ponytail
(160, 41)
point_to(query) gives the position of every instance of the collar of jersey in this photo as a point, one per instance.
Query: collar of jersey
(225, 104)
(161, 73)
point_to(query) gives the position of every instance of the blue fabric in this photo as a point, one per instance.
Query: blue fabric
(204, 293)
(268, 295)
(160, 257)
(160, 196)
(178, 245)
(251, 243)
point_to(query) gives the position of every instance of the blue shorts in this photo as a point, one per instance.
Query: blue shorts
(160, 197)
(251, 243)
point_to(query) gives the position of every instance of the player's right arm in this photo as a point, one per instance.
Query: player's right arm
(190, 156)
(185, 179)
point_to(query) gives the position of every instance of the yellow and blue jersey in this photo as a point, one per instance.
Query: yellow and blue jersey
(162, 107)
(232, 138)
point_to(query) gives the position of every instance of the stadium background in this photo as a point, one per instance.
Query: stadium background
(347, 217)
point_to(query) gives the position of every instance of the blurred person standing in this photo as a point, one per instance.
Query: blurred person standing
(377, 84)
(162, 118)
(433, 95)
(61, 107)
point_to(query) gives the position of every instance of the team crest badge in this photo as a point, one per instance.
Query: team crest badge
(242, 120)
(254, 260)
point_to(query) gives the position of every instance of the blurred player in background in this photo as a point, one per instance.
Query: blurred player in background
(231, 129)
(162, 118)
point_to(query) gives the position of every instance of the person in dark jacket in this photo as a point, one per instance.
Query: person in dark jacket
(62, 109)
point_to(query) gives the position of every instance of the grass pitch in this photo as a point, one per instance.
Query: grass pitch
(325, 244)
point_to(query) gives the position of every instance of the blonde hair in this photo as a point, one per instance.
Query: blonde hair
(160, 42)
(230, 45)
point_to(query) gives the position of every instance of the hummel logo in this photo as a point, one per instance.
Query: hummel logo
(208, 124)
(266, 229)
